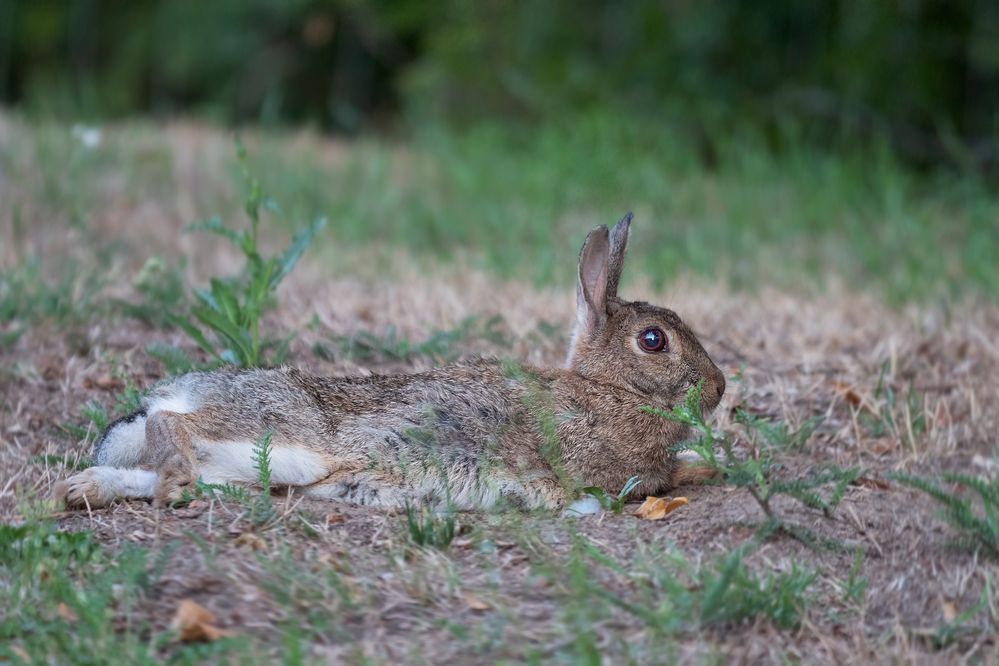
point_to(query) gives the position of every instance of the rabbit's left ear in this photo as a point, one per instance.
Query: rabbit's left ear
(618, 246)
(591, 283)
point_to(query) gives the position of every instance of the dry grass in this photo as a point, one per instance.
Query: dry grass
(345, 582)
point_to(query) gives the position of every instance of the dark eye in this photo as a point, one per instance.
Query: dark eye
(652, 340)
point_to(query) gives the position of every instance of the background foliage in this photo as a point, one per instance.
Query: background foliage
(922, 73)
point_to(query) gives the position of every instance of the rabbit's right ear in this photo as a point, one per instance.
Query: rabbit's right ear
(591, 283)
(618, 247)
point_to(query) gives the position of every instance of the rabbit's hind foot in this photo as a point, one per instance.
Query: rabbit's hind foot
(96, 487)
(691, 468)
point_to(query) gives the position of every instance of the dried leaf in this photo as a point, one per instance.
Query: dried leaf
(251, 541)
(871, 482)
(194, 509)
(66, 613)
(949, 611)
(883, 446)
(657, 508)
(335, 518)
(848, 393)
(474, 602)
(195, 623)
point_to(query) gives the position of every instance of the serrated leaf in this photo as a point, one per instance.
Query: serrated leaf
(293, 252)
(214, 225)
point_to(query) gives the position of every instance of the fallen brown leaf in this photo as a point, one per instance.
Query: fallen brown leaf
(657, 508)
(949, 611)
(105, 382)
(871, 482)
(251, 541)
(847, 392)
(474, 602)
(883, 446)
(195, 623)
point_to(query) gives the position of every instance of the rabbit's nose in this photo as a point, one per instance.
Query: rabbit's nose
(719, 385)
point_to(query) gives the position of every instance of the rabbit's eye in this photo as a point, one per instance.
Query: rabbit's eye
(652, 340)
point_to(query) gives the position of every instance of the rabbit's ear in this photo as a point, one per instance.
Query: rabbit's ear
(591, 283)
(618, 246)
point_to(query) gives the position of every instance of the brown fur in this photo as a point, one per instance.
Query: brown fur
(474, 434)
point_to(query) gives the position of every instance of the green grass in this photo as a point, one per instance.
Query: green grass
(427, 528)
(672, 595)
(520, 201)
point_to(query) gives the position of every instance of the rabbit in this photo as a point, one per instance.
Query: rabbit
(476, 434)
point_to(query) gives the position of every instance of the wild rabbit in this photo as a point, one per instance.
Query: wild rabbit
(476, 434)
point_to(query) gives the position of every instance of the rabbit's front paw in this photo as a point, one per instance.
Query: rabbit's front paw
(587, 505)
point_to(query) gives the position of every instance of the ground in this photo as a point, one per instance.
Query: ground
(886, 386)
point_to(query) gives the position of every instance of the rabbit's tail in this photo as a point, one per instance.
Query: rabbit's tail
(123, 442)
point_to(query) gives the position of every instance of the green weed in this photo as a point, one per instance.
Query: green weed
(777, 434)
(974, 517)
(231, 309)
(613, 503)
(259, 505)
(756, 474)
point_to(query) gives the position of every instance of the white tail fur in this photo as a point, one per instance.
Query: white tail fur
(123, 443)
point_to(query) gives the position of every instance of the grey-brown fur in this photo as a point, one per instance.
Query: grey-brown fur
(471, 433)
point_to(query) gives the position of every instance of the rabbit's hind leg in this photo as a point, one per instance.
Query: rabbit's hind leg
(367, 487)
(169, 444)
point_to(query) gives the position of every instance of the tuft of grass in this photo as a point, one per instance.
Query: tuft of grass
(427, 528)
(97, 417)
(230, 309)
(62, 596)
(756, 473)
(162, 290)
(900, 416)
(672, 596)
(613, 503)
(973, 513)
(855, 586)
(30, 294)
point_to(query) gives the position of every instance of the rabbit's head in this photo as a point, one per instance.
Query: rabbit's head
(637, 346)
